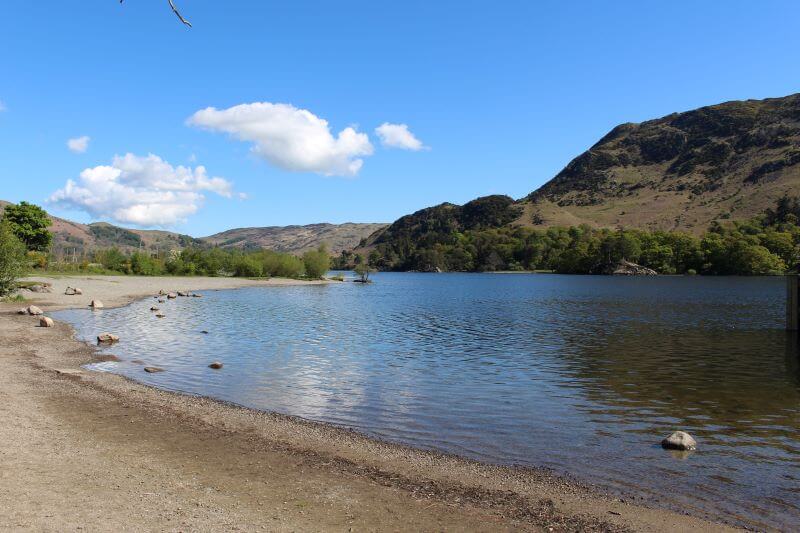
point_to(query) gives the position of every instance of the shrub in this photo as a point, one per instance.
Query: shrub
(13, 262)
(317, 262)
(247, 266)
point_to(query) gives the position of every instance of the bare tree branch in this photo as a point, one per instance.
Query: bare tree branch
(177, 14)
(174, 10)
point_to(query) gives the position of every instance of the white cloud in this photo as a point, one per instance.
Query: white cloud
(79, 145)
(2, 106)
(290, 138)
(145, 191)
(398, 136)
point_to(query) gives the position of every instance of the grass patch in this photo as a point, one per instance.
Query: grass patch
(12, 298)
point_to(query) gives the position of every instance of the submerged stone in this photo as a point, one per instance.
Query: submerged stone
(680, 440)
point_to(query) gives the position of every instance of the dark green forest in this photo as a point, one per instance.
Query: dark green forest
(476, 237)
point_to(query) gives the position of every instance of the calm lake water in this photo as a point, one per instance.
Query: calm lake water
(582, 374)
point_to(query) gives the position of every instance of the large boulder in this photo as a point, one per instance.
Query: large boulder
(107, 338)
(680, 440)
(46, 322)
(96, 304)
(33, 310)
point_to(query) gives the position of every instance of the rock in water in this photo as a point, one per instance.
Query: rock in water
(172, 296)
(197, 295)
(46, 322)
(680, 440)
(216, 365)
(183, 293)
(160, 315)
(154, 308)
(33, 310)
(96, 304)
(107, 338)
(153, 369)
(161, 301)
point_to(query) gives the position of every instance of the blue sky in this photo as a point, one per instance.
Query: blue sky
(502, 94)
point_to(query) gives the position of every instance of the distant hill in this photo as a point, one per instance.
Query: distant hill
(76, 238)
(295, 239)
(681, 172)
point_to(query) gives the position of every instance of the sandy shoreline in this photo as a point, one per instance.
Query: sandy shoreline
(100, 452)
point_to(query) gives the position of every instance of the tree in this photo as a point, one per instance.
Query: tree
(29, 223)
(363, 270)
(317, 262)
(12, 258)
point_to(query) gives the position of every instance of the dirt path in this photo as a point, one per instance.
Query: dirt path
(93, 451)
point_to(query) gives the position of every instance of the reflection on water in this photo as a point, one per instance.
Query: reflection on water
(581, 374)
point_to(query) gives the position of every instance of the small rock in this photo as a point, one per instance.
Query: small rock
(33, 310)
(68, 371)
(680, 440)
(216, 365)
(73, 291)
(161, 301)
(183, 293)
(154, 308)
(96, 304)
(197, 295)
(23, 311)
(204, 332)
(162, 292)
(172, 296)
(46, 322)
(160, 315)
(153, 369)
(107, 338)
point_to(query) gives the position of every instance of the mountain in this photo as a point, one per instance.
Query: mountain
(75, 238)
(681, 172)
(295, 239)
(730, 161)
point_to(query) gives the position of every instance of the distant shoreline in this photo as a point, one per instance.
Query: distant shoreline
(261, 464)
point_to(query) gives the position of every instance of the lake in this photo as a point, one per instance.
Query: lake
(581, 374)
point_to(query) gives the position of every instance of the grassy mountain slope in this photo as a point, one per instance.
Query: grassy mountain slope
(295, 239)
(681, 172)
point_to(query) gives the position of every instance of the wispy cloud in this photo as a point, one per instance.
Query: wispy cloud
(398, 136)
(290, 138)
(141, 190)
(79, 145)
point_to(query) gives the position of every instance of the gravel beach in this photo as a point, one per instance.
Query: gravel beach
(95, 451)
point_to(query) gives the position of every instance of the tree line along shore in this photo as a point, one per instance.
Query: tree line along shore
(765, 245)
(436, 239)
